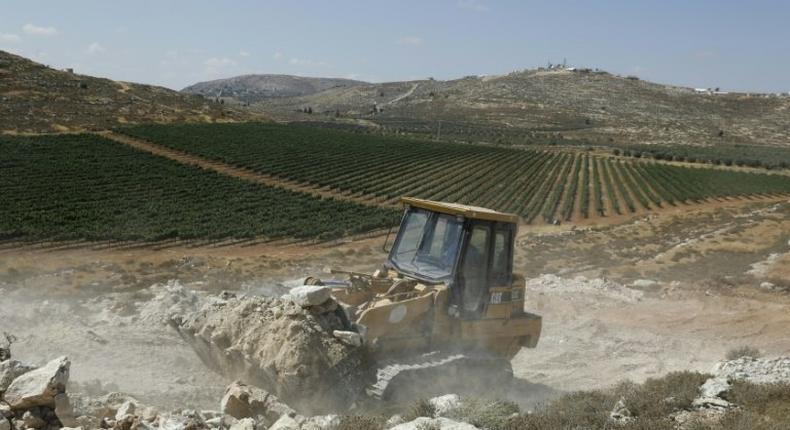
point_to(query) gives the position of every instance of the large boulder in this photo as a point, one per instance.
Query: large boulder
(243, 424)
(127, 408)
(39, 387)
(285, 423)
(320, 422)
(280, 346)
(105, 407)
(445, 404)
(10, 370)
(308, 295)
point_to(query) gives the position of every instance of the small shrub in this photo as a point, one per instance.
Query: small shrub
(420, 408)
(738, 420)
(360, 422)
(649, 424)
(582, 409)
(657, 398)
(429, 426)
(743, 351)
(491, 415)
(762, 405)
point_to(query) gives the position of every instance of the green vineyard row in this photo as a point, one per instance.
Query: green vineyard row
(86, 187)
(538, 185)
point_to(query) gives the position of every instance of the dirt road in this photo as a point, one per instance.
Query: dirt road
(404, 95)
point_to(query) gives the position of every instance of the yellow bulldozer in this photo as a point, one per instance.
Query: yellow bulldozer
(446, 309)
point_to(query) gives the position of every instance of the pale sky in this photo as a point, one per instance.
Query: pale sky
(735, 45)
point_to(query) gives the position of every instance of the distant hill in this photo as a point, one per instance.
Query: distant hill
(254, 88)
(36, 98)
(549, 105)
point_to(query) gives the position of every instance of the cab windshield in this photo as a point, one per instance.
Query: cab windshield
(427, 244)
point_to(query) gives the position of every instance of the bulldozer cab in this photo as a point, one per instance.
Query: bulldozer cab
(468, 248)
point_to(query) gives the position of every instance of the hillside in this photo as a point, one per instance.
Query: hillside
(36, 98)
(549, 106)
(255, 88)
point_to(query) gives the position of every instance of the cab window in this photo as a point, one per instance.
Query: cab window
(500, 268)
(475, 269)
(427, 245)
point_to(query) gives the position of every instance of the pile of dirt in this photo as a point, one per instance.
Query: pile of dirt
(298, 350)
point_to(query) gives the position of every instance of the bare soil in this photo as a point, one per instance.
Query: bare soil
(103, 306)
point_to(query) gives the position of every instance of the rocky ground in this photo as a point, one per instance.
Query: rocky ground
(41, 397)
(533, 105)
(619, 303)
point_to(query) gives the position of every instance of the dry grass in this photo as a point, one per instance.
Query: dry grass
(554, 108)
(580, 409)
(360, 422)
(657, 398)
(743, 351)
(492, 415)
(760, 407)
(420, 408)
(429, 426)
(771, 401)
(652, 405)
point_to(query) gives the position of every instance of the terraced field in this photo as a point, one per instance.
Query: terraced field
(541, 186)
(74, 187)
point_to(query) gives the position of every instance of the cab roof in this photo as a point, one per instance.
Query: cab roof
(473, 212)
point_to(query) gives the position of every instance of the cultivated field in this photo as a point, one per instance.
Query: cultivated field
(86, 187)
(263, 181)
(539, 185)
